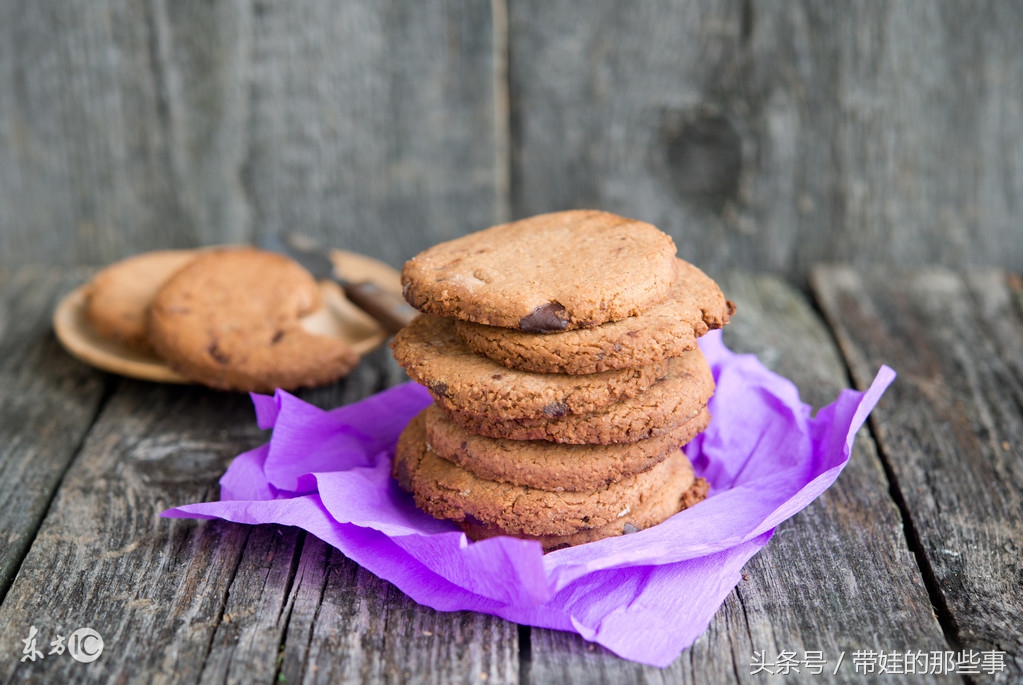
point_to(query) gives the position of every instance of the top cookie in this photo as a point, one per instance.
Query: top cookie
(118, 298)
(232, 320)
(551, 272)
(694, 306)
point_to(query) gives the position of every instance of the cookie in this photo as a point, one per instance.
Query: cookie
(118, 297)
(447, 491)
(647, 514)
(664, 406)
(694, 306)
(552, 466)
(461, 380)
(231, 320)
(551, 272)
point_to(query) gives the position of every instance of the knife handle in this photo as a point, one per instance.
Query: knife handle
(389, 309)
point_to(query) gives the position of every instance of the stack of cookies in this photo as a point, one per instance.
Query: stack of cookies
(561, 354)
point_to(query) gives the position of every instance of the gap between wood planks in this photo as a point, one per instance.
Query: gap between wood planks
(289, 607)
(525, 654)
(109, 386)
(912, 537)
(54, 286)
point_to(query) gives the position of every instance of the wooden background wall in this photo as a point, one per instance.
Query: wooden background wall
(761, 134)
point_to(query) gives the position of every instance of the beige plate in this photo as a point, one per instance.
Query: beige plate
(339, 318)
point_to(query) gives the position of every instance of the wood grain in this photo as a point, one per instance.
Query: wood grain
(764, 136)
(950, 430)
(768, 136)
(142, 124)
(347, 626)
(178, 600)
(47, 405)
(153, 588)
(837, 577)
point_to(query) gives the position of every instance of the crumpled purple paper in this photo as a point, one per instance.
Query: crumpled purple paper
(645, 596)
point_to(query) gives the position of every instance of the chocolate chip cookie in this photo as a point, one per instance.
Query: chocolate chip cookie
(445, 490)
(551, 272)
(552, 466)
(463, 381)
(664, 406)
(231, 319)
(118, 297)
(694, 306)
(650, 512)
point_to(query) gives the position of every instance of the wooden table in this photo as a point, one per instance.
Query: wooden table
(917, 546)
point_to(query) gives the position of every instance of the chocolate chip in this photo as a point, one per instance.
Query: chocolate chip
(555, 409)
(278, 336)
(629, 528)
(545, 319)
(440, 389)
(218, 354)
(496, 377)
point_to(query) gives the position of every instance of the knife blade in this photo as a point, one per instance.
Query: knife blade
(389, 309)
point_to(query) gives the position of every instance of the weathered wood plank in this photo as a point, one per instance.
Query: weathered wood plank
(838, 577)
(124, 128)
(768, 136)
(48, 402)
(950, 430)
(139, 124)
(373, 124)
(347, 626)
(244, 646)
(154, 589)
(177, 600)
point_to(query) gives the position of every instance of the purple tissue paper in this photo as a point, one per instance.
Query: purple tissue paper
(645, 596)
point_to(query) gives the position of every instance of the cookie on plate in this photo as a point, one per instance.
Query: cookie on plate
(461, 380)
(553, 466)
(551, 272)
(118, 297)
(231, 319)
(445, 490)
(680, 397)
(694, 306)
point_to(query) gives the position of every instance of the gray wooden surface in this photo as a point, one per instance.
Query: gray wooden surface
(131, 125)
(763, 136)
(955, 419)
(915, 547)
